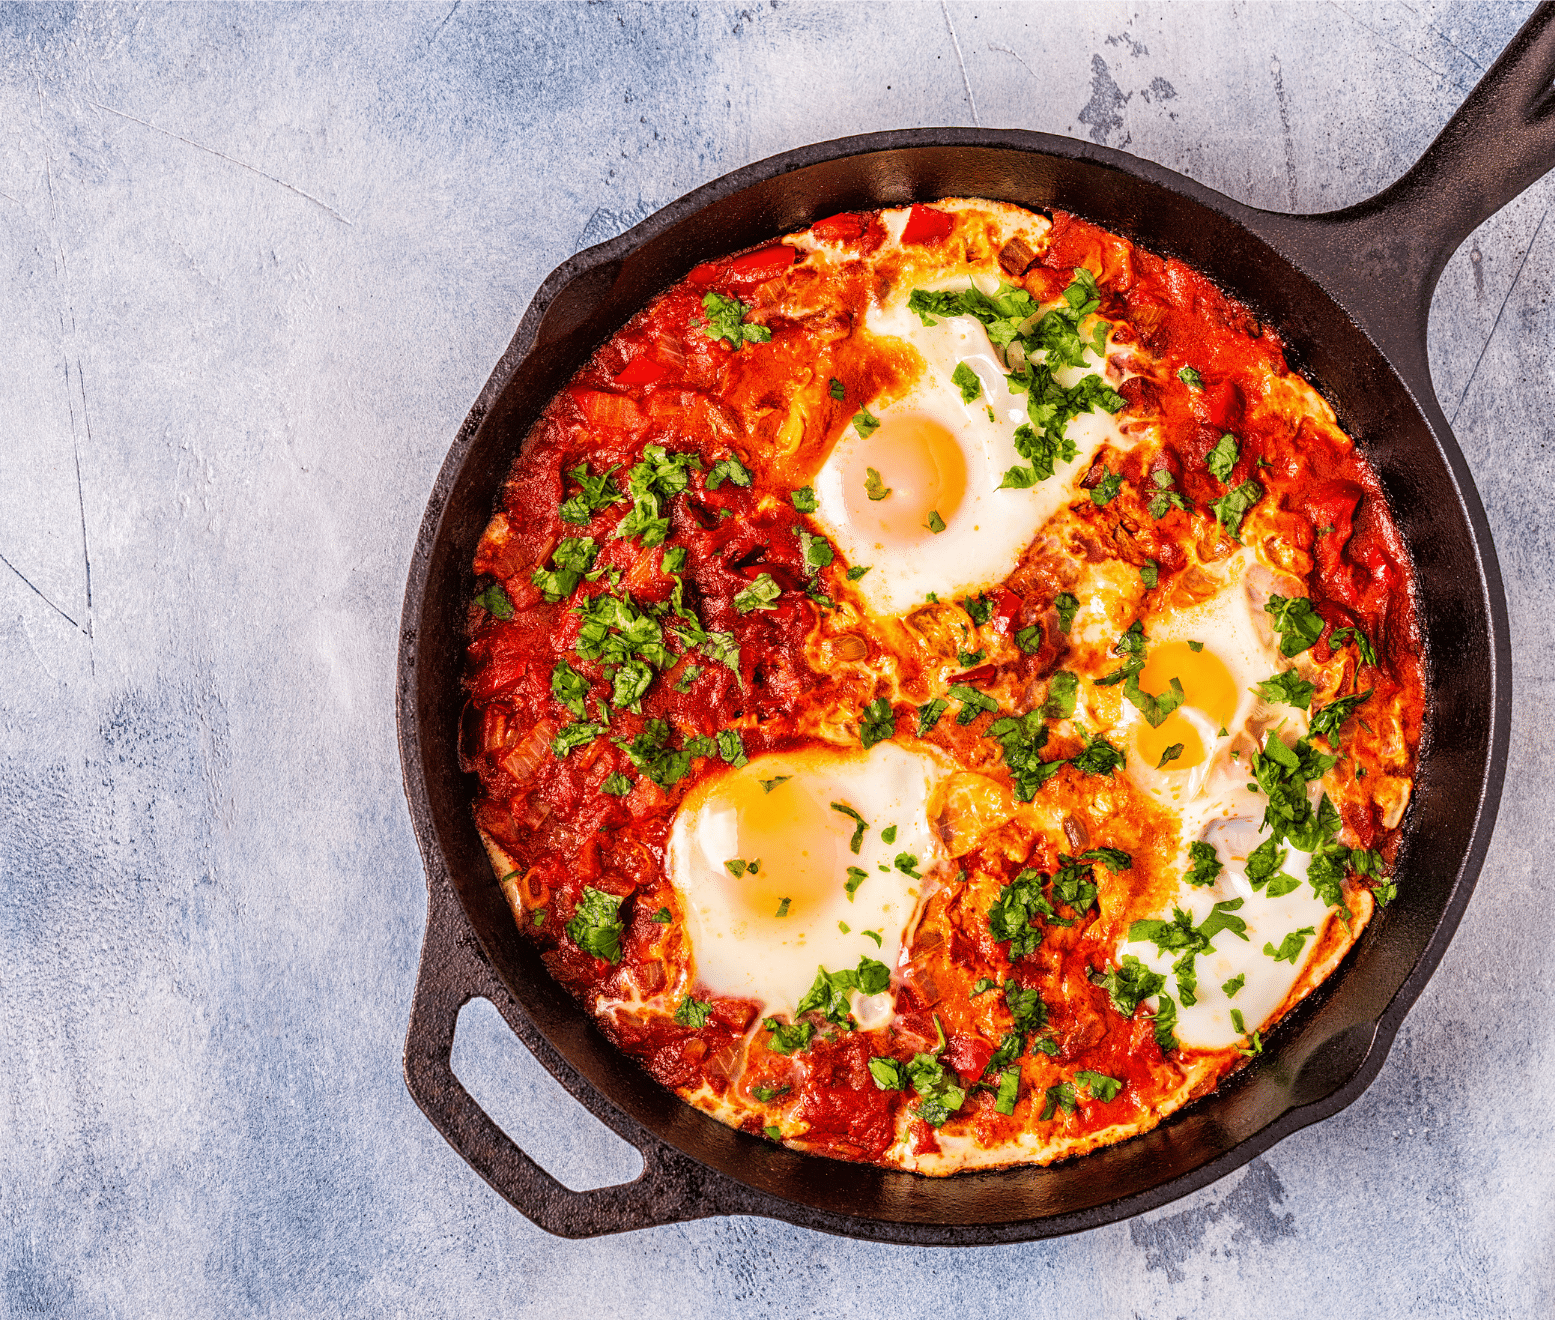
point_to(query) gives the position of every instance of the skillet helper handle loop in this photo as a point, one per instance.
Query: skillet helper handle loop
(454, 971)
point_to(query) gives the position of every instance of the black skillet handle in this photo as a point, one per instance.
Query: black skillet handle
(671, 1188)
(1381, 258)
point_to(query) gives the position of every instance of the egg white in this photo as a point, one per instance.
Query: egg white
(741, 947)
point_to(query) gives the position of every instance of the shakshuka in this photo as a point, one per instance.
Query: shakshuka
(942, 688)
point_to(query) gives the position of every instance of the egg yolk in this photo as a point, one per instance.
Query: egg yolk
(794, 846)
(1207, 686)
(920, 463)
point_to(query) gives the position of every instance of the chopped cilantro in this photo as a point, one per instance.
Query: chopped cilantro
(1234, 984)
(1288, 686)
(787, 1037)
(1329, 719)
(1191, 378)
(978, 608)
(873, 486)
(767, 1094)
(1206, 863)
(1238, 1021)
(616, 784)
(693, 1012)
(773, 1131)
(983, 985)
(661, 917)
(572, 736)
(1171, 753)
(494, 600)
(594, 494)
(1106, 490)
(1067, 607)
(1298, 624)
(650, 753)
(782, 907)
(1195, 646)
(1129, 983)
(1029, 639)
(866, 424)
(1100, 1086)
(907, 864)
(828, 995)
(767, 785)
(888, 835)
(1290, 947)
(1016, 906)
(657, 476)
(941, 1097)
(973, 702)
(726, 321)
(1232, 507)
(731, 747)
(728, 469)
(856, 876)
(804, 499)
(1150, 573)
(936, 524)
(1059, 1096)
(860, 826)
(1062, 690)
(759, 595)
(688, 676)
(889, 1074)
(572, 558)
(675, 559)
(1022, 739)
(631, 681)
(817, 550)
(737, 867)
(569, 687)
(836, 389)
(1339, 635)
(874, 935)
(965, 380)
(596, 926)
(969, 659)
(1009, 1091)
(858, 571)
(929, 713)
(877, 722)
(1100, 757)
(1154, 709)
(1222, 458)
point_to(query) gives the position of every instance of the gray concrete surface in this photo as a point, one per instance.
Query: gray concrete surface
(257, 261)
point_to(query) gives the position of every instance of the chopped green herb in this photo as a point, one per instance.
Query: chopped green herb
(1009, 1091)
(767, 785)
(856, 876)
(693, 1012)
(767, 1094)
(1234, 984)
(1106, 490)
(688, 676)
(965, 380)
(888, 1074)
(969, 659)
(1298, 624)
(1329, 719)
(888, 835)
(1206, 863)
(1195, 646)
(594, 494)
(596, 925)
(1062, 690)
(860, 825)
(649, 752)
(874, 935)
(941, 1097)
(661, 917)
(936, 524)
(866, 424)
(1060, 1096)
(787, 1037)
(804, 499)
(731, 747)
(569, 687)
(877, 722)
(1154, 709)
(1339, 635)
(494, 600)
(728, 469)
(1232, 507)
(617, 785)
(1238, 1021)
(1129, 983)
(736, 867)
(1290, 947)
(873, 486)
(572, 736)
(1022, 739)
(907, 864)
(836, 389)
(983, 985)
(1067, 607)
(929, 713)
(572, 558)
(1222, 458)
(1030, 639)
(782, 907)
(1191, 378)
(726, 321)
(1150, 573)
(973, 702)
(773, 1131)
(760, 595)
(1288, 686)
(858, 571)
(1170, 754)
(1255, 1046)
(1099, 1085)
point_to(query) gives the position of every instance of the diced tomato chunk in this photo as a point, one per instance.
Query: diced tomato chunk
(926, 225)
(605, 409)
(1006, 606)
(754, 267)
(705, 274)
(844, 228)
(642, 370)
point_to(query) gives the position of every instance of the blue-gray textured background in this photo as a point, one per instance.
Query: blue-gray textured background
(255, 263)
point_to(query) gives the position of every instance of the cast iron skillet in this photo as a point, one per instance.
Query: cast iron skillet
(1349, 291)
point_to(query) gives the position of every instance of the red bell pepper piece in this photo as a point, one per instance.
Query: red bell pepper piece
(926, 225)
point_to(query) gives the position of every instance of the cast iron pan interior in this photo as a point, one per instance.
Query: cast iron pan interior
(1349, 292)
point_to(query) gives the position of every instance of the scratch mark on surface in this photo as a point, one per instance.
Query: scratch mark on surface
(41, 596)
(444, 23)
(75, 445)
(1527, 252)
(965, 81)
(1290, 142)
(233, 160)
(1393, 45)
(1010, 50)
(1446, 40)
